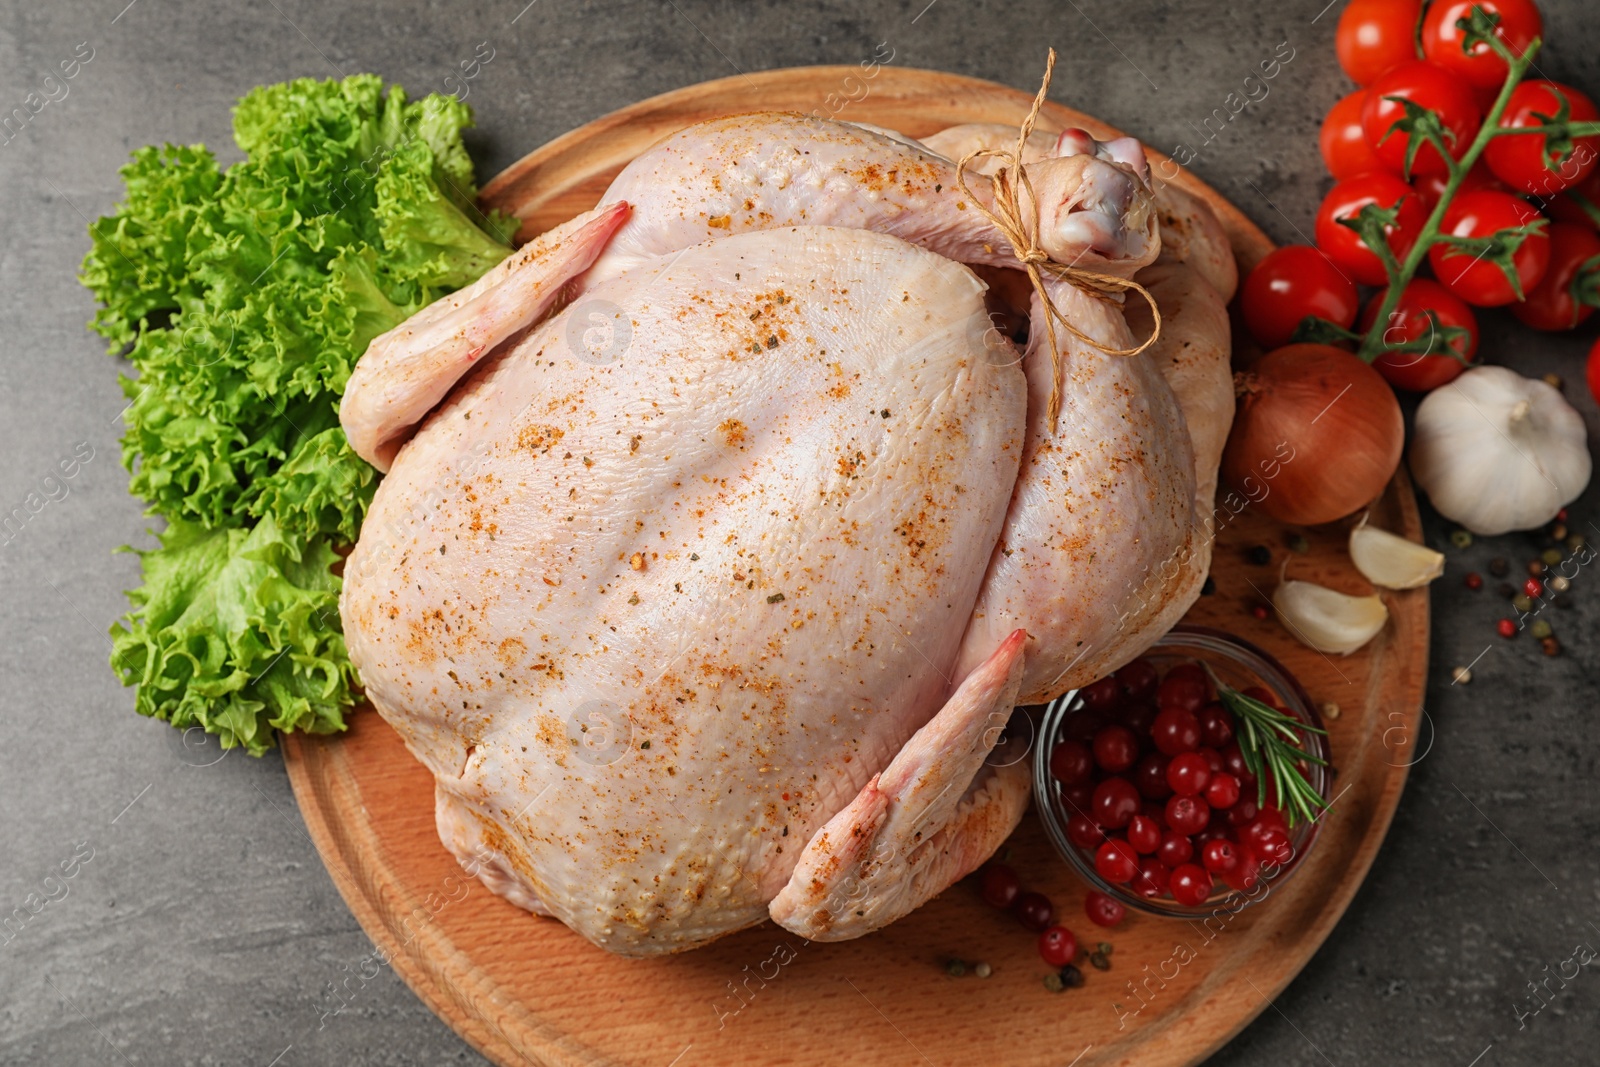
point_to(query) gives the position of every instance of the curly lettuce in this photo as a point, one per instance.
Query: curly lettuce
(241, 300)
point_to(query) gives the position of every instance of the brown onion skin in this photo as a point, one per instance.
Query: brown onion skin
(1340, 461)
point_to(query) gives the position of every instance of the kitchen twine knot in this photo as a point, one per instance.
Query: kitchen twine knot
(1013, 223)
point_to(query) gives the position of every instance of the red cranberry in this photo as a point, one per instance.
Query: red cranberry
(1176, 730)
(1219, 856)
(1176, 849)
(1144, 833)
(1272, 846)
(1082, 831)
(1138, 680)
(1102, 695)
(1103, 910)
(1190, 885)
(998, 885)
(1150, 776)
(1138, 716)
(1115, 748)
(1115, 802)
(1187, 815)
(1222, 791)
(1255, 692)
(1191, 671)
(1078, 797)
(1188, 774)
(1081, 726)
(1151, 881)
(1216, 725)
(1071, 762)
(1213, 760)
(1116, 861)
(1034, 911)
(1233, 760)
(1188, 694)
(1242, 813)
(1058, 946)
(1246, 872)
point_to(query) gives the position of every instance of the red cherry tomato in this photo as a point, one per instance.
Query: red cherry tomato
(1523, 160)
(1057, 946)
(1477, 279)
(1289, 284)
(1567, 293)
(1103, 910)
(1570, 206)
(1345, 247)
(1591, 371)
(1375, 36)
(1431, 186)
(1441, 39)
(1410, 322)
(1190, 884)
(1433, 88)
(1344, 145)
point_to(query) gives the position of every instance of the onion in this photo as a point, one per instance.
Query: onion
(1318, 434)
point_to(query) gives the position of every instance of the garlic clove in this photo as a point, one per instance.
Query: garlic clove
(1326, 620)
(1390, 561)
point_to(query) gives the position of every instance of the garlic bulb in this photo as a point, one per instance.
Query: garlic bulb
(1326, 620)
(1391, 561)
(1496, 451)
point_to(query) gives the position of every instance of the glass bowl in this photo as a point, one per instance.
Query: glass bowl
(1238, 664)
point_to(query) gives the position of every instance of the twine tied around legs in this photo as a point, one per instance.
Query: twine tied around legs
(1008, 216)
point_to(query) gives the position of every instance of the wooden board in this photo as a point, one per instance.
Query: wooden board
(526, 990)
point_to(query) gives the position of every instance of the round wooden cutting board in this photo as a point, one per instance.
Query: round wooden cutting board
(527, 990)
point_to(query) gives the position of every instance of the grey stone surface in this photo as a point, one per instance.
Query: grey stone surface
(204, 928)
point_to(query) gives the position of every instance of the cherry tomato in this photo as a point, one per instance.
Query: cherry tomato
(1567, 293)
(1176, 730)
(999, 885)
(1345, 151)
(1433, 88)
(1591, 371)
(1409, 321)
(1190, 884)
(1115, 748)
(1188, 774)
(1058, 946)
(1524, 160)
(1345, 247)
(1115, 802)
(1431, 186)
(1441, 39)
(1477, 279)
(1034, 911)
(1222, 791)
(1289, 284)
(1116, 861)
(1570, 206)
(1188, 815)
(1176, 849)
(1103, 910)
(1375, 36)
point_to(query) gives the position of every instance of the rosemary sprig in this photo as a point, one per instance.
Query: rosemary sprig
(1270, 740)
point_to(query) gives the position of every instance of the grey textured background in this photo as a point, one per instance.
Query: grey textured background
(204, 928)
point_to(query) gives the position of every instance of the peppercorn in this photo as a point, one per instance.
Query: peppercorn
(1298, 543)
(1558, 532)
(1506, 590)
(1553, 381)
(1533, 587)
(1100, 961)
(1550, 646)
(1330, 710)
(983, 970)
(1550, 557)
(1575, 542)
(955, 968)
(1561, 516)
(1506, 628)
(1522, 603)
(1461, 538)
(1261, 555)
(1209, 587)
(1261, 611)
(1536, 567)
(1071, 977)
(1474, 580)
(1499, 567)
(1540, 629)
(1054, 982)
(1460, 676)
(1560, 584)
(1104, 948)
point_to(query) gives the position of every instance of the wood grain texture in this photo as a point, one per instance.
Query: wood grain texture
(526, 990)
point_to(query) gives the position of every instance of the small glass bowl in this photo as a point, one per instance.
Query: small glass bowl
(1238, 664)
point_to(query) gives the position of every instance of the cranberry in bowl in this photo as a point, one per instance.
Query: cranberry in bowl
(1149, 782)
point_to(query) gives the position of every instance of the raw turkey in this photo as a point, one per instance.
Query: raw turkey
(722, 531)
